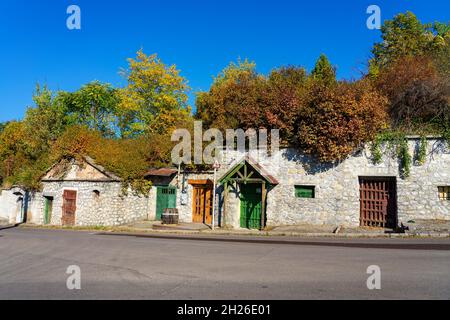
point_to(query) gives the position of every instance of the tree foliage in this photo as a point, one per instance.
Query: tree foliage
(411, 66)
(233, 93)
(328, 121)
(125, 136)
(406, 35)
(95, 106)
(155, 92)
(324, 72)
(334, 121)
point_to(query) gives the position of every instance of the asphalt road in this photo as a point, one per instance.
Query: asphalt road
(33, 265)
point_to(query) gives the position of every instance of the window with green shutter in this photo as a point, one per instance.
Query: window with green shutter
(305, 192)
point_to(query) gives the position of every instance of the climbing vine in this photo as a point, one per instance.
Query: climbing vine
(396, 144)
(405, 158)
(377, 153)
(422, 154)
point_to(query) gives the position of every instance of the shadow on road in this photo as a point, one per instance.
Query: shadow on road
(9, 227)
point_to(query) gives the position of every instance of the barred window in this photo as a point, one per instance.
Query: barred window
(444, 193)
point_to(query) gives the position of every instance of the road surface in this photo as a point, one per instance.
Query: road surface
(33, 265)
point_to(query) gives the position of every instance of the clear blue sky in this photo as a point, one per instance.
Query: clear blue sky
(200, 36)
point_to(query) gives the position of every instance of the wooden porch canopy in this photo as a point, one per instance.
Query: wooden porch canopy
(245, 172)
(248, 171)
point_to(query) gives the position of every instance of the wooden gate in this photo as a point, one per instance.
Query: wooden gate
(166, 198)
(251, 206)
(202, 204)
(378, 201)
(69, 208)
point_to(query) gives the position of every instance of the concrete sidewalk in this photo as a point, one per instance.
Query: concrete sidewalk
(193, 229)
(304, 230)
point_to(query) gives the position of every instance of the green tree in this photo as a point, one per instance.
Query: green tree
(2, 126)
(46, 121)
(153, 89)
(406, 36)
(323, 71)
(95, 105)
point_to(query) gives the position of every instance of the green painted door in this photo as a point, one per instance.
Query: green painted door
(166, 198)
(251, 204)
(48, 210)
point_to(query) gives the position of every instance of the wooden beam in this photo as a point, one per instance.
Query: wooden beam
(245, 170)
(200, 182)
(232, 173)
(254, 180)
(263, 205)
(225, 200)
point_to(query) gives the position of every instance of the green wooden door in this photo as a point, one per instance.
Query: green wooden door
(251, 204)
(166, 198)
(48, 210)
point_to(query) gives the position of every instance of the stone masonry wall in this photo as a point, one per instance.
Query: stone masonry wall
(110, 208)
(337, 187)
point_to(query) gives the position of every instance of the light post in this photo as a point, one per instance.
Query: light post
(216, 167)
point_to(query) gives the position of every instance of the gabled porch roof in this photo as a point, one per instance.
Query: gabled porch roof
(248, 171)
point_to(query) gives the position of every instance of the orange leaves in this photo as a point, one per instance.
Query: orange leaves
(335, 121)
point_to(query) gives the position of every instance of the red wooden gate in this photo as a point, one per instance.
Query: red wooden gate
(378, 198)
(69, 207)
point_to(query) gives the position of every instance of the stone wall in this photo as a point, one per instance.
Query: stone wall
(336, 200)
(18, 205)
(10, 205)
(109, 208)
(337, 187)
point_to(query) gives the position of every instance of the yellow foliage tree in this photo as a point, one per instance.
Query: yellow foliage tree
(155, 92)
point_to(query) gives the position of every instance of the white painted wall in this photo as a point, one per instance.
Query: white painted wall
(10, 206)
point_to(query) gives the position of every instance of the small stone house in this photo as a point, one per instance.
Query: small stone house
(83, 193)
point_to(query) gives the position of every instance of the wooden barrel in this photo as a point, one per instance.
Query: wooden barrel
(170, 216)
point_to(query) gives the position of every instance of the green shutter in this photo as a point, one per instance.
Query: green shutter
(307, 192)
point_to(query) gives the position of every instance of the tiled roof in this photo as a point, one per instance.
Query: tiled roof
(163, 172)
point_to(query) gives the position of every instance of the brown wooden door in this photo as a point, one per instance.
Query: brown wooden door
(202, 204)
(378, 201)
(69, 207)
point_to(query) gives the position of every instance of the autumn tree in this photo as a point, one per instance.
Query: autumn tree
(418, 94)
(12, 148)
(335, 121)
(281, 96)
(156, 94)
(233, 99)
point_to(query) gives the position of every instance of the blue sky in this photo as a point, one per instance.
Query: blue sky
(200, 36)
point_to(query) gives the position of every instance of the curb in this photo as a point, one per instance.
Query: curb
(226, 233)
